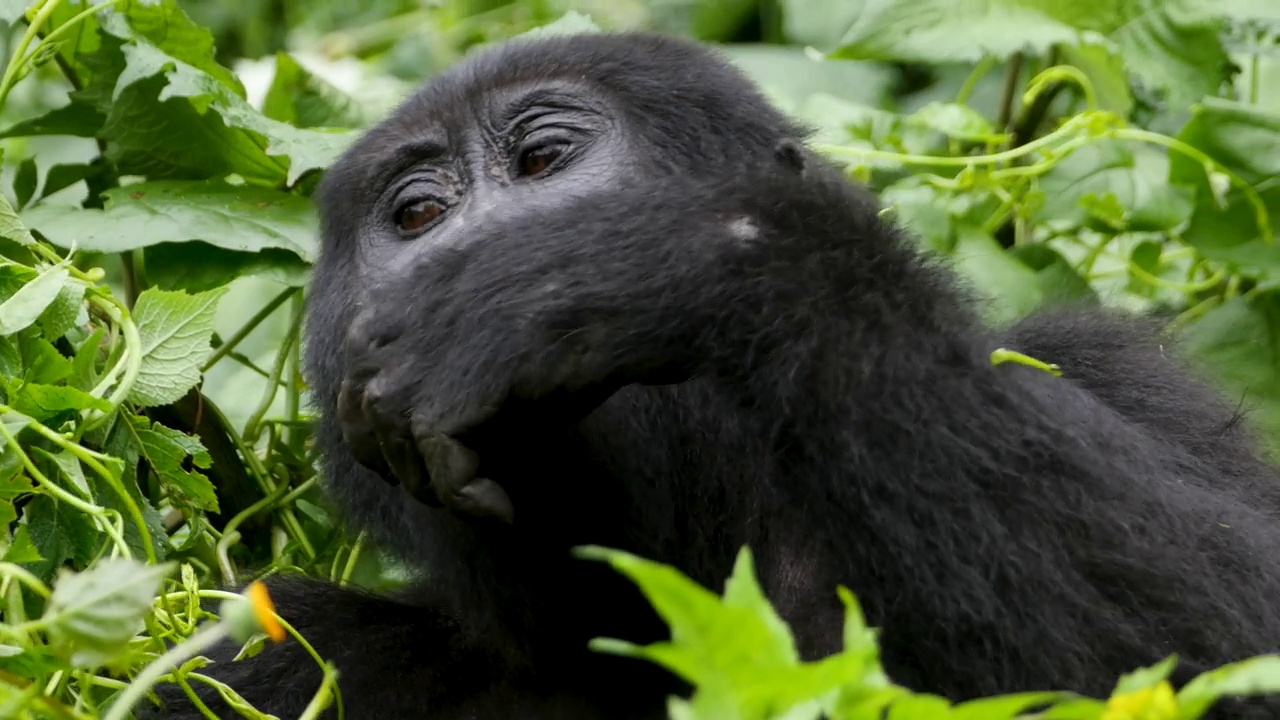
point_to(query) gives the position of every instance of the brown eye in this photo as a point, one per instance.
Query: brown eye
(418, 215)
(537, 160)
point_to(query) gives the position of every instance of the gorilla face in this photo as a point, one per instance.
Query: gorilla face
(516, 233)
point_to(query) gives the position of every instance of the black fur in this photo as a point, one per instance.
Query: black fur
(694, 335)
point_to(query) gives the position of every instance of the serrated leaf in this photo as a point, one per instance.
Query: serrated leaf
(166, 450)
(164, 25)
(60, 533)
(97, 611)
(41, 361)
(21, 550)
(26, 305)
(63, 313)
(240, 218)
(175, 330)
(304, 149)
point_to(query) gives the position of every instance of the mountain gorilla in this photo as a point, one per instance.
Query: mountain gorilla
(594, 289)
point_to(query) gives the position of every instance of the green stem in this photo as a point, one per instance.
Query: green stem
(247, 328)
(19, 58)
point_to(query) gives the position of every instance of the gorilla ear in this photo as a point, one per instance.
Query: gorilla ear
(790, 153)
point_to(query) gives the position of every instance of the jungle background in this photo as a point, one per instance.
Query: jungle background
(156, 234)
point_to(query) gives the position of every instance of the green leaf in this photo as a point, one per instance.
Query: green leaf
(60, 533)
(175, 330)
(45, 402)
(1171, 44)
(1135, 177)
(737, 652)
(302, 99)
(197, 266)
(571, 23)
(42, 361)
(1257, 676)
(166, 450)
(11, 227)
(301, 149)
(954, 120)
(69, 465)
(12, 11)
(1174, 45)
(21, 550)
(1003, 707)
(1238, 346)
(26, 305)
(166, 27)
(25, 180)
(79, 118)
(1146, 677)
(97, 611)
(240, 218)
(1012, 289)
(1243, 138)
(949, 31)
(792, 75)
(64, 312)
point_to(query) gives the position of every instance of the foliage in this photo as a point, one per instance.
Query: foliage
(156, 232)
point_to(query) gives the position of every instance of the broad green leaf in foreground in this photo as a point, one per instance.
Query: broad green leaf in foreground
(736, 651)
(242, 218)
(175, 330)
(95, 612)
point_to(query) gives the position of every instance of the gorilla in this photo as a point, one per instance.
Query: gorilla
(594, 289)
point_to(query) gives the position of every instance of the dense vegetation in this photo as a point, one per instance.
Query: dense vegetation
(156, 235)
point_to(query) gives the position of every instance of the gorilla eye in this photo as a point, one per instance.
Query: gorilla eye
(415, 216)
(537, 160)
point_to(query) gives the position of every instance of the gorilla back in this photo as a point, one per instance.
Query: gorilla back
(594, 289)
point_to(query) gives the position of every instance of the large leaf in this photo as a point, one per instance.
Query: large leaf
(1171, 44)
(794, 76)
(1242, 138)
(1136, 176)
(240, 218)
(175, 330)
(96, 612)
